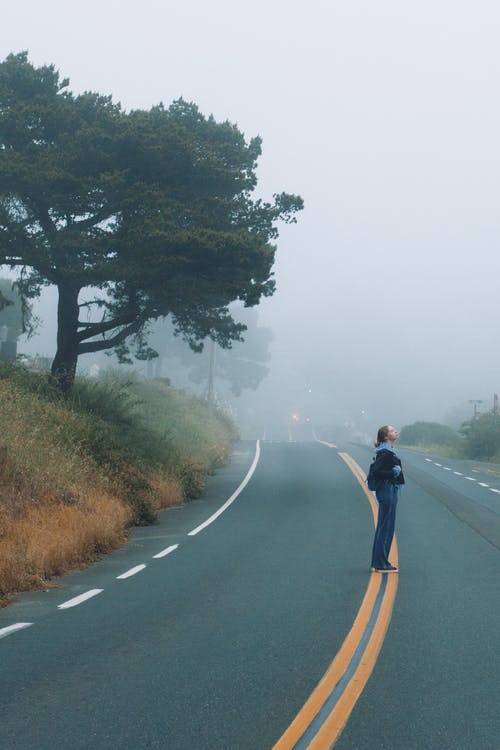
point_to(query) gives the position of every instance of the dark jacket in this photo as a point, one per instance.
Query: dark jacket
(385, 460)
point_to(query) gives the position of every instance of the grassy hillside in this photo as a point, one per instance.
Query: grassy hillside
(74, 475)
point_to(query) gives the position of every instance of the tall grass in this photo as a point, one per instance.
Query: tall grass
(202, 437)
(74, 474)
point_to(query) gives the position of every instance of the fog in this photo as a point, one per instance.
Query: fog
(385, 117)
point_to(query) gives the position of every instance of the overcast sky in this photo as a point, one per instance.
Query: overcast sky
(385, 117)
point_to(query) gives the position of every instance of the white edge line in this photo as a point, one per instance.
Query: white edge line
(131, 572)
(233, 496)
(165, 552)
(79, 599)
(13, 628)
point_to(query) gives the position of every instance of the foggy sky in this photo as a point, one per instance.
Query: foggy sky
(385, 117)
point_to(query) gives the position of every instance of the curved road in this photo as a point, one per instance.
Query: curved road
(216, 640)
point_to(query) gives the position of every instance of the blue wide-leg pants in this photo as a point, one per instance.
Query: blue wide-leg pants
(387, 496)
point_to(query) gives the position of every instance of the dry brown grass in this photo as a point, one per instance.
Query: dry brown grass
(57, 510)
(72, 481)
(167, 491)
(38, 460)
(50, 539)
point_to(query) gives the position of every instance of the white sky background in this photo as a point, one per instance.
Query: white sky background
(385, 117)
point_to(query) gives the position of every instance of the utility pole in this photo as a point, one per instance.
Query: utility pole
(475, 402)
(211, 377)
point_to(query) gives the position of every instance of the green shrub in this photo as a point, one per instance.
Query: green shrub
(482, 436)
(126, 422)
(202, 437)
(74, 473)
(427, 434)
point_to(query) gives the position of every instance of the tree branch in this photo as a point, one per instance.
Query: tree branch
(99, 346)
(95, 329)
(31, 262)
(92, 220)
(43, 217)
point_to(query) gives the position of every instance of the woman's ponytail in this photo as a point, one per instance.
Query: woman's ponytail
(381, 435)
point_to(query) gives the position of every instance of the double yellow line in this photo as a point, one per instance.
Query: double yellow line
(320, 722)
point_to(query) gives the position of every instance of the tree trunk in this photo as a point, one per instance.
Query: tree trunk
(64, 365)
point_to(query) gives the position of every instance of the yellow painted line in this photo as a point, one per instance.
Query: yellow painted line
(360, 476)
(332, 726)
(334, 672)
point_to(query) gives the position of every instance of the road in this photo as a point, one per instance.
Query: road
(217, 639)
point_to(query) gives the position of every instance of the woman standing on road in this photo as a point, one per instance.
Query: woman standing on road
(389, 478)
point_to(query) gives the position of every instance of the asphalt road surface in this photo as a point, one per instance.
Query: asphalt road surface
(216, 639)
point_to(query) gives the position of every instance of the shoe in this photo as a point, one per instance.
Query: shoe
(390, 569)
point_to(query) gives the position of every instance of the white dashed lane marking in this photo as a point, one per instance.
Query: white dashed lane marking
(131, 572)
(165, 552)
(76, 600)
(14, 628)
(79, 599)
(469, 479)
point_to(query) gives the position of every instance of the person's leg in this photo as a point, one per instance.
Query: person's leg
(379, 556)
(389, 521)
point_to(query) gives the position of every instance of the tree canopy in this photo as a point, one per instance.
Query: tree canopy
(482, 436)
(242, 365)
(131, 215)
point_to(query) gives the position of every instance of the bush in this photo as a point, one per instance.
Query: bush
(202, 438)
(482, 436)
(428, 434)
(75, 473)
(57, 508)
(102, 420)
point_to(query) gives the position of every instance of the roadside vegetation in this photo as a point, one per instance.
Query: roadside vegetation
(481, 437)
(76, 473)
(477, 438)
(433, 437)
